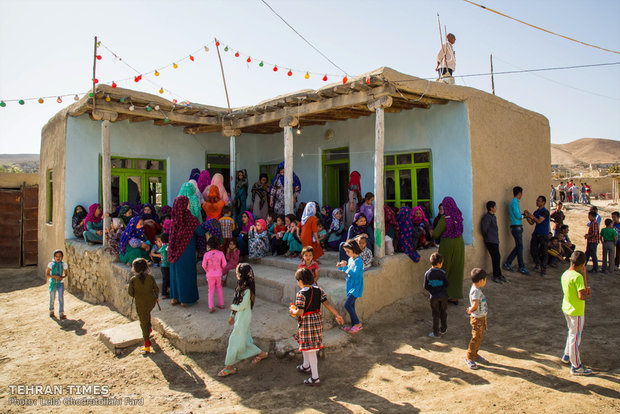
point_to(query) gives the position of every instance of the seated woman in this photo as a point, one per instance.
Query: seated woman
(125, 213)
(419, 219)
(77, 221)
(133, 243)
(408, 233)
(258, 240)
(93, 225)
(114, 233)
(213, 204)
(149, 213)
(247, 220)
(336, 231)
(326, 215)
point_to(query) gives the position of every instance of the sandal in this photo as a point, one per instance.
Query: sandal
(226, 372)
(211, 310)
(221, 306)
(63, 316)
(174, 302)
(346, 328)
(52, 315)
(164, 296)
(355, 329)
(303, 369)
(259, 358)
(312, 381)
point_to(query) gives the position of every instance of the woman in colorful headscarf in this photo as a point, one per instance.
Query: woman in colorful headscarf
(354, 198)
(165, 212)
(182, 253)
(247, 221)
(133, 244)
(125, 214)
(452, 247)
(149, 213)
(93, 225)
(188, 190)
(408, 234)
(260, 197)
(419, 219)
(213, 204)
(194, 174)
(218, 181)
(241, 195)
(204, 180)
(326, 216)
(337, 232)
(309, 230)
(391, 225)
(258, 240)
(77, 221)
(276, 191)
(214, 229)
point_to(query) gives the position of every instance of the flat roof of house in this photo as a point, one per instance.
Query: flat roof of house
(333, 102)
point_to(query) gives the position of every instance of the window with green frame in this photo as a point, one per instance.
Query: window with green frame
(50, 196)
(219, 163)
(408, 179)
(138, 180)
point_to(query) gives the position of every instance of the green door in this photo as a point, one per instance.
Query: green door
(331, 178)
(335, 176)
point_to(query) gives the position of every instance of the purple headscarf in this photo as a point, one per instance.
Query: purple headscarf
(166, 210)
(245, 228)
(418, 220)
(194, 174)
(454, 218)
(152, 215)
(204, 180)
(355, 228)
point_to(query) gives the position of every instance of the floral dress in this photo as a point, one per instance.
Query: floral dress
(258, 244)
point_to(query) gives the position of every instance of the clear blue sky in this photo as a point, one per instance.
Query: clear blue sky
(46, 49)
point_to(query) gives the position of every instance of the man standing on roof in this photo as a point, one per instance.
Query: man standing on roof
(446, 61)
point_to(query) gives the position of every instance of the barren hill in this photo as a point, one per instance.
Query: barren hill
(586, 151)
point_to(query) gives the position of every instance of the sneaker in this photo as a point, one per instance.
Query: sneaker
(524, 271)
(504, 280)
(145, 350)
(432, 335)
(497, 279)
(508, 267)
(443, 331)
(566, 359)
(63, 316)
(536, 268)
(52, 315)
(481, 360)
(543, 274)
(581, 370)
(471, 364)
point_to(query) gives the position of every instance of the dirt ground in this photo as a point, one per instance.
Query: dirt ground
(391, 366)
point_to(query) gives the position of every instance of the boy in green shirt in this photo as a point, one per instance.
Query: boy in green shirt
(609, 238)
(573, 306)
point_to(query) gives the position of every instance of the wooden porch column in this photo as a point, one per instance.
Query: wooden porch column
(289, 202)
(106, 166)
(232, 134)
(377, 106)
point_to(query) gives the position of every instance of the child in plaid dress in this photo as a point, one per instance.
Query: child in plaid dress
(307, 308)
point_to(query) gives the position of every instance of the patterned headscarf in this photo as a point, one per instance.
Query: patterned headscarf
(166, 226)
(213, 227)
(204, 180)
(296, 182)
(165, 210)
(454, 218)
(246, 227)
(335, 226)
(152, 215)
(356, 228)
(309, 211)
(195, 174)
(121, 214)
(81, 215)
(327, 217)
(245, 282)
(131, 232)
(183, 226)
(405, 226)
(390, 217)
(218, 181)
(418, 220)
(91, 215)
(188, 190)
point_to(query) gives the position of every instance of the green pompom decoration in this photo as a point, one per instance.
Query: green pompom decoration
(166, 120)
(226, 49)
(148, 108)
(21, 102)
(90, 94)
(122, 100)
(261, 64)
(2, 104)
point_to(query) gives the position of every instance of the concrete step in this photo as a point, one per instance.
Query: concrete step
(327, 265)
(194, 329)
(278, 285)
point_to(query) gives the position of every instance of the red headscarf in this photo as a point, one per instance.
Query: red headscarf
(91, 215)
(355, 185)
(181, 229)
(263, 225)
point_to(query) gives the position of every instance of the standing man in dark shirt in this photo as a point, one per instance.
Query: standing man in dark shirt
(540, 237)
(436, 282)
(491, 240)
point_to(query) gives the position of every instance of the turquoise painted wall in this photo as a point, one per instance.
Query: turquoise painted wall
(181, 151)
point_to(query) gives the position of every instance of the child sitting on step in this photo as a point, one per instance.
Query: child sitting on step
(307, 309)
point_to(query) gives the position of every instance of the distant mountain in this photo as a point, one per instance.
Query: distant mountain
(586, 151)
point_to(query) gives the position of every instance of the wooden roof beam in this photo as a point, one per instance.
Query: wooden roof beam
(202, 129)
(142, 112)
(342, 101)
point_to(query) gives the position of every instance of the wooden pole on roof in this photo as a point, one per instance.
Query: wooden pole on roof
(94, 71)
(492, 80)
(233, 138)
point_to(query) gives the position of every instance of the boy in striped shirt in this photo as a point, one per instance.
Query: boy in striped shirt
(576, 292)
(592, 238)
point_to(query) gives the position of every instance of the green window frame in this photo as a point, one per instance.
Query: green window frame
(408, 179)
(219, 163)
(50, 196)
(147, 173)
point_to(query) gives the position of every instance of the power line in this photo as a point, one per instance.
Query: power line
(304, 39)
(540, 28)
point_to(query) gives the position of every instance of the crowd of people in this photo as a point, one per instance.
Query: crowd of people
(204, 224)
(571, 192)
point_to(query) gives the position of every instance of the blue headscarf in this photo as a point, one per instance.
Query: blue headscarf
(195, 174)
(296, 182)
(131, 232)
